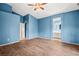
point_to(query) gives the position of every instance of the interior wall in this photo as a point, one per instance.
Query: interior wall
(31, 26)
(9, 27)
(38, 28)
(45, 27)
(70, 27)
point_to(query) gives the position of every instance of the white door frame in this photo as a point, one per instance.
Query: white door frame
(22, 31)
(56, 23)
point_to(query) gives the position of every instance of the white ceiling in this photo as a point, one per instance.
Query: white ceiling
(50, 9)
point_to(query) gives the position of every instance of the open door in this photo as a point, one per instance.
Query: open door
(57, 28)
(22, 31)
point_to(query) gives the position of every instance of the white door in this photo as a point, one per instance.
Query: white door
(22, 31)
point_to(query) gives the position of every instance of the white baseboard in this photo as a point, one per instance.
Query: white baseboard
(66, 42)
(33, 37)
(9, 43)
(70, 43)
(43, 37)
(39, 37)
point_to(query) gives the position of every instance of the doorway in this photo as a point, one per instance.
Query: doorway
(22, 31)
(57, 27)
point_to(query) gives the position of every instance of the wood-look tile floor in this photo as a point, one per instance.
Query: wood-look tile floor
(39, 47)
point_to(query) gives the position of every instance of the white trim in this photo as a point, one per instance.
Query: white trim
(44, 37)
(70, 43)
(56, 24)
(9, 43)
(31, 37)
(67, 42)
(22, 31)
(58, 39)
(37, 37)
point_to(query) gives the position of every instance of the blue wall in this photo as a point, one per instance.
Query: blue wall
(21, 17)
(31, 26)
(70, 27)
(45, 27)
(5, 7)
(9, 27)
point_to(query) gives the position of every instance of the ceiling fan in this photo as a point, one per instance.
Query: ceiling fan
(38, 6)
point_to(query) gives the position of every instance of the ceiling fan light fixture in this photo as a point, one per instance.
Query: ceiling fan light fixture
(38, 6)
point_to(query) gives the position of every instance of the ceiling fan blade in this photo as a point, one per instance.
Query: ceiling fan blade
(77, 3)
(31, 5)
(43, 3)
(35, 9)
(42, 8)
